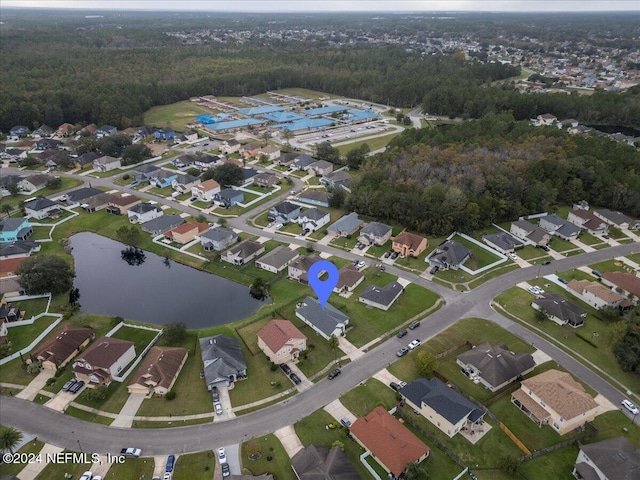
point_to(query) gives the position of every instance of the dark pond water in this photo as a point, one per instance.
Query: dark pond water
(154, 291)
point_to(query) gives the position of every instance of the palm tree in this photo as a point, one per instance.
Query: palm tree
(10, 438)
(415, 471)
(334, 343)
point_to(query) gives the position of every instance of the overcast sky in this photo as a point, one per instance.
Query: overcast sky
(337, 5)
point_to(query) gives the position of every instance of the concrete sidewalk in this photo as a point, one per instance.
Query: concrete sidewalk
(32, 470)
(289, 439)
(337, 410)
(386, 377)
(349, 348)
(129, 410)
(31, 390)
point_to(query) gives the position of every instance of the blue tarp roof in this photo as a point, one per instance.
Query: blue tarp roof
(283, 117)
(234, 124)
(303, 124)
(261, 110)
(324, 110)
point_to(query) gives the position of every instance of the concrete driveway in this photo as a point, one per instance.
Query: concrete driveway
(60, 401)
(225, 401)
(305, 382)
(129, 410)
(289, 439)
(338, 411)
(31, 390)
(233, 458)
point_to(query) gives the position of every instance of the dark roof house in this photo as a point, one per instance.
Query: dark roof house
(449, 255)
(223, 360)
(317, 462)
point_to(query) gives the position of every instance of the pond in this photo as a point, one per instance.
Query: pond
(152, 289)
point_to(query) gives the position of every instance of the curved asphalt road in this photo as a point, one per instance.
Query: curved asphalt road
(69, 432)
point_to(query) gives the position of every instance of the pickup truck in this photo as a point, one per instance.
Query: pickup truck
(131, 452)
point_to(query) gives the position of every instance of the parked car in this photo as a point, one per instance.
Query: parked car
(285, 368)
(402, 333)
(414, 325)
(218, 408)
(562, 280)
(402, 352)
(630, 406)
(546, 262)
(88, 475)
(345, 421)
(394, 255)
(193, 199)
(387, 254)
(68, 385)
(221, 455)
(295, 379)
(334, 373)
(513, 256)
(360, 265)
(167, 476)
(382, 268)
(215, 394)
(394, 386)
(402, 384)
(75, 388)
(225, 470)
(278, 226)
(434, 270)
(99, 477)
(171, 459)
(414, 344)
(131, 452)
(596, 273)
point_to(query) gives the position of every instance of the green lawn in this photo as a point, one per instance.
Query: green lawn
(87, 416)
(115, 399)
(560, 245)
(140, 337)
(529, 252)
(21, 336)
(634, 257)
(272, 457)
(344, 242)
(133, 468)
(170, 423)
(15, 372)
(557, 464)
(611, 266)
(195, 466)
(178, 115)
(67, 184)
(481, 257)
(616, 233)
(518, 303)
(54, 471)
(374, 143)
(616, 424)
(32, 447)
(364, 398)
(589, 239)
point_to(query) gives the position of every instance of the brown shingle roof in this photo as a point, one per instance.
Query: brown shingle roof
(104, 352)
(187, 227)
(208, 185)
(561, 393)
(390, 441)
(412, 240)
(277, 333)
(349, 276)
(64, 342)
(123, 201)
(596, 289)
(160, 367)
(626, 281)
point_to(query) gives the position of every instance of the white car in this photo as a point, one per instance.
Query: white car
(630, 406)
(536, 290)
(166, 476)
(87, 475)
(218, 408)
(513, 256)
(360, 265)
(415, 344)
(221, 456)
(278, 226)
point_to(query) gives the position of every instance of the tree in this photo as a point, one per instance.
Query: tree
(338, 444)
(427, 363)
(135, 153)
(226, 175)
(128, 235)
(45, 274)
(171, 395)
(97, 393)
(33, 368)
(337, 198)
(510, 464)
(13, 189)
(610, 314)
(6, 208)
(416, 471)
(259, 289)
(541, 315)
(357, 155)
(54, 183)
(334, 343)
(193, 171)
(10, 438)
(174, 333)
(324, 151)
(627, 350)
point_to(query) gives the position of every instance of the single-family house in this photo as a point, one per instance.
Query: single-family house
(206, 190)
(530, 233)
(546, 119)
(503, 242)
(158, 371)
(248, 175)
(9, 268)
(79, 196)
(186, 232)
(321, 168)
(164, 134)
(184, 183)
(346, 225)
(15, 154)
(392, 444)
(270, 151)
(47, 144)
(559, 227)
(144, 173)
(189, 136)
(97, 202)
(3, 331)
(33, 183)
(41, 207)
(449, 255)
(626, 283)
(617, 219)
(554, 398)
(223, 361)
(217, 239)
(163, 178)
(10, 287)
(18, 249)
(277, 259)
(18, 132)
(243, 252)
(6, 180)
(286, 159)
(409, 244)
(162, 224)
(587, 221)
(302, 162)
(265, 180)
(375, 234)
(284, 212)
(121, 204)
(61, 348)
(106, 131)
(230, 146)
(336, 179)
(143, 212)
(315, 197)
(106, 357)
(281, 341)
(88, 129)
(350, 278)
(558, 309)
(442, 405)
(85, 160)
(611, 459)
(325, 321)
(298, 268)
(596, 294)
(106, 163)
(14, 229)
(186, 160)
(43, 131)
(317, 462)
(205, 162)
(381, 297)
(228, 197)
(249, 150)
(313, 219)
(65, 130)
(495, 366)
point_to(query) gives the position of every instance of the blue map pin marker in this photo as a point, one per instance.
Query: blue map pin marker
(323, 288)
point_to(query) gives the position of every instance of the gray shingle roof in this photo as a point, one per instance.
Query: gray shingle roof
(222, 358)
(82, 194)
(279, 256)
(347, 223)
(230, 193)
(616, 218)
(245, 248)
(10, 224)
(304, 160)
(376, 229)
(325, 320)
(162, 223)
(616, 458)
(219, 234)
(503, 240)
(147, 168)
(450, 253)
(560, 307)
(20, 247)
(317, 462)
(315, 214)
(496, 363)
(382, 295)
(40, 203)
(286, 208)
(444, 400)
(143, 208)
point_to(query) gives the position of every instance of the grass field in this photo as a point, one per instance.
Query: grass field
(58, 470)
(32, 447)
(87, 416)
(272, 457)
(365, 397)
(176, 115)
(22, 336)
(132, 468)
(195, 466)
(374, 143)
(481, 257)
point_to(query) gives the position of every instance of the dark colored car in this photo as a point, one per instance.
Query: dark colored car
(546, 262)
(562, 280)
(76, 387)
(68, 385)
(394, 386)
(225, 470)
(401, 333)
(215, 394)
(170, 461)
(285, 368)
(334, 373)
(414, 325)
(434, 270)
(295, 379)
(387, 254)
(394, 255)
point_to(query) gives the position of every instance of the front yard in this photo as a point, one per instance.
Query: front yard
(131, 468)
(367, 396)
(266, 454)
(193, 466)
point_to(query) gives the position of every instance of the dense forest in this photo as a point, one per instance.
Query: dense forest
(467, 175)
